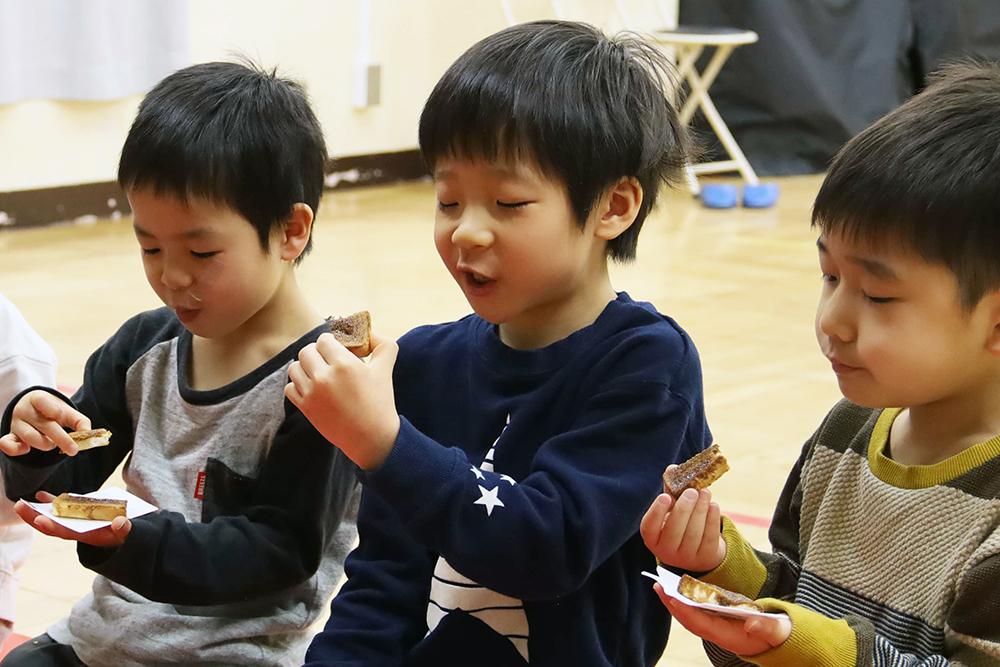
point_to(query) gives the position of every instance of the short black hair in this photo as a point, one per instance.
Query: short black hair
(927, 176)
(588, 109)
(233, 134)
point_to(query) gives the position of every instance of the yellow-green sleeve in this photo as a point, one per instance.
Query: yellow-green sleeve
(741, 570)
(816, 641)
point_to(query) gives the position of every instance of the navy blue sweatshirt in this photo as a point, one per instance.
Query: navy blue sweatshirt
(503, 527)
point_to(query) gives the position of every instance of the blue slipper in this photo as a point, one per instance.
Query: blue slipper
(719, 195)
(764, 195)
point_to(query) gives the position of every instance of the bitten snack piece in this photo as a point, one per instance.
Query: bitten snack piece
(352, 332)
(72, 506)
(696, 473)
(699, 591)
(90, 439)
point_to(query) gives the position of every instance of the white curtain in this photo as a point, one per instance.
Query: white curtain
(89, 49)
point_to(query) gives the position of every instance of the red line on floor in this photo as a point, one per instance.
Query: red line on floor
(746, 519)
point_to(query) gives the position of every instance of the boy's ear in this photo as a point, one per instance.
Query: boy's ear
(295, 233)
(993, 336)
(618, 208)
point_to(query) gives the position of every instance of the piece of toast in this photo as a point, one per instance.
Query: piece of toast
(696, 473)
(699, 591)
(72, 506)
(98, 437)
(353, 332)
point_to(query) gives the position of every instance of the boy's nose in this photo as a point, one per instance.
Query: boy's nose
(471, 232)
(835, 319)
(175, 277)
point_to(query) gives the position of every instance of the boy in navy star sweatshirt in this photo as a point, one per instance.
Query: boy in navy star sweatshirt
(507, 458)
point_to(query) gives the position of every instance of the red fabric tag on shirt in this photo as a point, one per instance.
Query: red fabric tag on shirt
(199, 489)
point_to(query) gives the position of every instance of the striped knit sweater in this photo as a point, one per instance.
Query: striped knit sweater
(877, 563)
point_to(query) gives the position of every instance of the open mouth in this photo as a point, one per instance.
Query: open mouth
(185, 314)
(477, 279)
(472, 278)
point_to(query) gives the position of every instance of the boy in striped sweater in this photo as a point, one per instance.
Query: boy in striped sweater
(886, 538)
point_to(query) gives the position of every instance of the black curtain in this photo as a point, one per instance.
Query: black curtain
(823, 70)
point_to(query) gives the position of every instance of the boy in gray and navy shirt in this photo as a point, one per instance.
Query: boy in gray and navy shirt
(223, 168)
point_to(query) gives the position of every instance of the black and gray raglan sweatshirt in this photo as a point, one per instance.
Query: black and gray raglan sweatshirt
(249, 541)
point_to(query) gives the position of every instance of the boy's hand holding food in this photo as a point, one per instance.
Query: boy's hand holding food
(683, 527)
(37, 422)
(744, 637)
(109, 536)
(685, 533)
(349, 401)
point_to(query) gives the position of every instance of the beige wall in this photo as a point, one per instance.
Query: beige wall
(46, 143)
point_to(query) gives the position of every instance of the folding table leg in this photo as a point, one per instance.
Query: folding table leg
(699, 97)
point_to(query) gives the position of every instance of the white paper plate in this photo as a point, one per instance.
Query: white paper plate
(671, 581)
(135, 507)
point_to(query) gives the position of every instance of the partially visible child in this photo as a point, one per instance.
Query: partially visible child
(887, 535)
(223, 168)
(25, 360)
(505, 478)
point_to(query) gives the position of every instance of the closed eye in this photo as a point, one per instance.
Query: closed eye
(204, 255)
(150, 251)
(516, 204)
(442, 204)
(880, 299)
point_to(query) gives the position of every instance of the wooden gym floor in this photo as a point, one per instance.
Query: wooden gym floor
(743, 283)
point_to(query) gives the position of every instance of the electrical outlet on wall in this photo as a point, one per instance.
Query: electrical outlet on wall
(367, 84)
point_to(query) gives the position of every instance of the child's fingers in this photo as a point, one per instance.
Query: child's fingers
(292, 394)
(313, 360)
(712, 533)
(675, 526)
(11, 445)
(376, 339)
(48, 415)
(695, 530)
(384, 351)
(664, 598)
(298, 376)
(652, 522)
(36, 519)
(44, 497)
(331, 351)
(48, 407)
(55, 434)
(26, 512)
(727, 633)
(120, 527)
(30, 435)
(774, 631)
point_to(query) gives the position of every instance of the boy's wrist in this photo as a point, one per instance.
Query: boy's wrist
(740, 570)
(383, 445)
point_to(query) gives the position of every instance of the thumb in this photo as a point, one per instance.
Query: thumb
(121, 527)
(774, 631)
(79, 421)
(384, 350)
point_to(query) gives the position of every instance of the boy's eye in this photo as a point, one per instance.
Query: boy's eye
(204, 255)
(442, 204)
(828, 278)
(150, 251)
(880, 299)
(516, 204)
